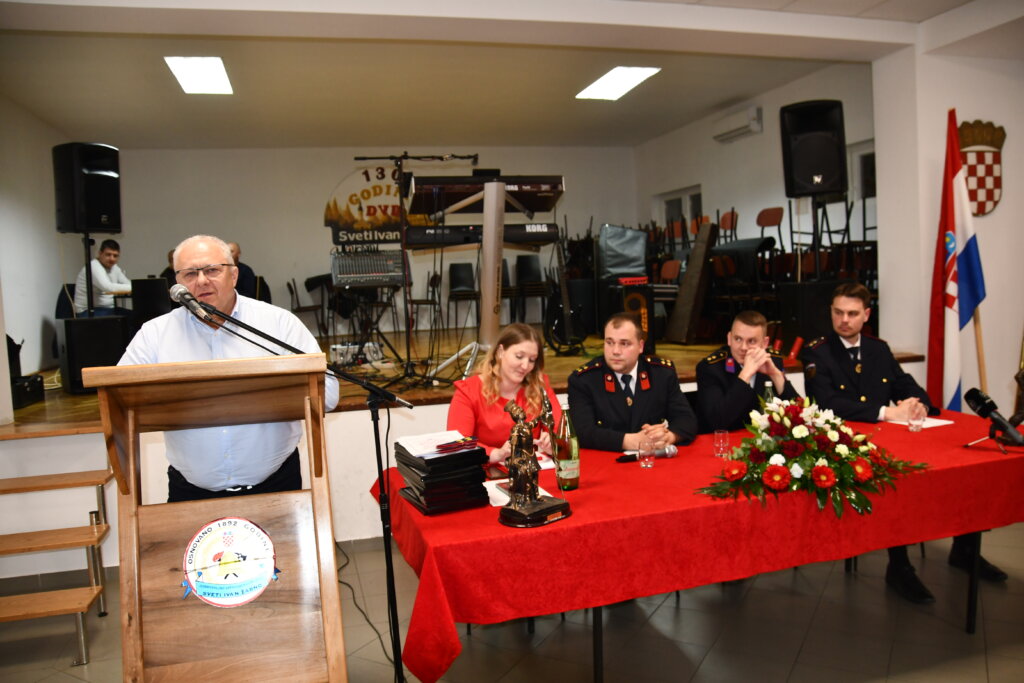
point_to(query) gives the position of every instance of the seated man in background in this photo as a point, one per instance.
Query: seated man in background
(858, 378)
(623, 396)
(246, 277)
(168, 272)
(107, 280)
(731, 379)
(240, 459)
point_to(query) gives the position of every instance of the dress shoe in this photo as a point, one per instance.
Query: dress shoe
(904, 581)
(986, 570)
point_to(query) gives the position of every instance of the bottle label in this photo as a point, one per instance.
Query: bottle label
(567, 469)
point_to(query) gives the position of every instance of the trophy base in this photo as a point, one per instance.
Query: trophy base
(544, 511)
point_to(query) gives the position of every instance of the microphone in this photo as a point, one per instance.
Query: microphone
(181, 295)
(666, 452)
(984, 406)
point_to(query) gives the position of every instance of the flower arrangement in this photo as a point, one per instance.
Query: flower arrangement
(796, 446)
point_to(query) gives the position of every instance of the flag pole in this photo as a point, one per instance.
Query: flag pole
(979, 349)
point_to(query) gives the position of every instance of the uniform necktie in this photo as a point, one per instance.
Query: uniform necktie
(854, 353)
(626, 379)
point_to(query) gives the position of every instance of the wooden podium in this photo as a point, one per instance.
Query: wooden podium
(293, 630)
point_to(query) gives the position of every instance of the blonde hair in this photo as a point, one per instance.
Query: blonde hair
(489, 367)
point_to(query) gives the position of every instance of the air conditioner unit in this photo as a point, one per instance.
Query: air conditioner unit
(738, 125)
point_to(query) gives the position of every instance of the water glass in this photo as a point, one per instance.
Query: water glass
(915, 421)
(645, 453)
(721, 443)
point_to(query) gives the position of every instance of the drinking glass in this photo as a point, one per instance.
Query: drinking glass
(722, 448)
(645, 453)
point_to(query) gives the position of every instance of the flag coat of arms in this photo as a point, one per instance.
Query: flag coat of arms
(981, 150)
(958, 284)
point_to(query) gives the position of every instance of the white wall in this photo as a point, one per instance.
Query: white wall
(913, 93)
(30, 256)
(272, 201)
(747, 173)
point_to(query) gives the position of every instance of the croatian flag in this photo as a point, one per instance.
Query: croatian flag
(958, 285)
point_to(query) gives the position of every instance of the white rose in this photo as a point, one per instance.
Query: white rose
(821, 462)
(796, 471)
(841, 449)
(833, 435)
(800, 431)
(777, 459)
(847, 429)
(759, 420)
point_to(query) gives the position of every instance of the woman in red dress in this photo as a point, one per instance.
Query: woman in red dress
(511, 371)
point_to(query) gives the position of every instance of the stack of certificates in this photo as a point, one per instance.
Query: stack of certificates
(443, 471)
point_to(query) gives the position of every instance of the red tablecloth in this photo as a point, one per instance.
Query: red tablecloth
(637, 532)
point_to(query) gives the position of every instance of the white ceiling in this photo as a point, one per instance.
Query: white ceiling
(301, 80)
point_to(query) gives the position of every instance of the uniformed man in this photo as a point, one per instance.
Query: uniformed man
(858, 378)
(731, 379)
(621, 397)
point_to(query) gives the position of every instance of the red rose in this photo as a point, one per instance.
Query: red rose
(735, 470)
(845, 438)
(776, 477)
(862, 470)
(776, 428)
(823, 476)
(822, 442)
(792, 449)
(757, 456)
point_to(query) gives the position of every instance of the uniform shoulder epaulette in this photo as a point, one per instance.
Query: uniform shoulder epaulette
(815, 343)
(716, 357)
(589, 365)
(664, 362)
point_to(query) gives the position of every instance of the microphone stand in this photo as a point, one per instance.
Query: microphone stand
(377, 395)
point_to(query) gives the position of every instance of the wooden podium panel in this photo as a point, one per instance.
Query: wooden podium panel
(293, 630)
(279, 636)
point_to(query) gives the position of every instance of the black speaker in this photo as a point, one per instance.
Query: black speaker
(89, 342)
(805, 309)
(638, 299)
(87, 183)
(813, 148)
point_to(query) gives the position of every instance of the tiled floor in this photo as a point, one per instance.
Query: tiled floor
(814, 623)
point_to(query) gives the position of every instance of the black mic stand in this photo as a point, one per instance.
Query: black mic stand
(377, 395)
(409, 367)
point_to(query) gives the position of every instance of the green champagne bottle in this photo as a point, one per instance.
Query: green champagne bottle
(567, 454)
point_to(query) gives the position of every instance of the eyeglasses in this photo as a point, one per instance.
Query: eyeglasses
(212, 271)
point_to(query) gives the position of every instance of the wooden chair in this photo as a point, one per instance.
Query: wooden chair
(769, 218)
(727, 225)
(432, 300)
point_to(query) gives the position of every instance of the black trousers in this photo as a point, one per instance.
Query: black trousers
(288, 477)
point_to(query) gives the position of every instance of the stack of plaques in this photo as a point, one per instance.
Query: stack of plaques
(443, 472)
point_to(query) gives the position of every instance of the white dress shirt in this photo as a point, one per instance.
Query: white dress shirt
(103, 280)
(217, 458)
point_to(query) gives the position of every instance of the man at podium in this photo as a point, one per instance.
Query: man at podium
(234, 460)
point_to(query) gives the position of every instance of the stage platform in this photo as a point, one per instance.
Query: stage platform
(62, 413)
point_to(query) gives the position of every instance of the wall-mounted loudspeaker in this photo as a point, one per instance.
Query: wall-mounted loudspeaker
(87, 181)
(813, 148)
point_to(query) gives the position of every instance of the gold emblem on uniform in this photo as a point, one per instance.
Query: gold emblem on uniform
(629, 401)
(856, 368)
(863, 399)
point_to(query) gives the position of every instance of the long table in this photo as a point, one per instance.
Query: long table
(637, 532)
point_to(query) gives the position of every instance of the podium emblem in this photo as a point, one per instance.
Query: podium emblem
(229, 562)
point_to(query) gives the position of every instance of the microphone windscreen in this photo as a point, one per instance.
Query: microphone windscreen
(979, 402)
(177, 291)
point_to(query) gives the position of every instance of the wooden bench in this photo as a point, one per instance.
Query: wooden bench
(76, 601)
